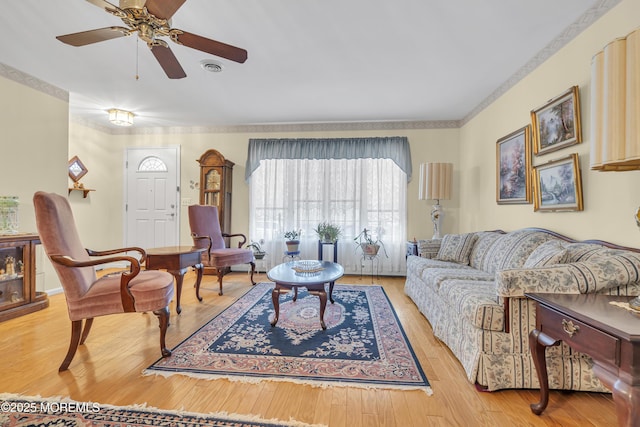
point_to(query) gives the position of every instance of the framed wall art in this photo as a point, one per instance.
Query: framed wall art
(556, 124)
(77, 169)
(558, 185)
(513, 167)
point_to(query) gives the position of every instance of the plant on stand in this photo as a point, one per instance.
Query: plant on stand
(258, 251)
(328, 232)
(292, 240)
(369, 244)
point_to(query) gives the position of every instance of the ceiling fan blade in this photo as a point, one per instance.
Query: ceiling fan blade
(163, 9)
(211, 46)
(93, 36)
(168, 62)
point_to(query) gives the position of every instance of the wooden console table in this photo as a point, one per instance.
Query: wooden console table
(607, 333)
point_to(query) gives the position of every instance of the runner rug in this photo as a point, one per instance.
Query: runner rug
(23, 411)
(364, 344)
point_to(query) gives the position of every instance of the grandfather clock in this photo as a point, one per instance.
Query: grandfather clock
(216, 178)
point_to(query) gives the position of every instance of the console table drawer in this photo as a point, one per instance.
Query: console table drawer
(580, 336)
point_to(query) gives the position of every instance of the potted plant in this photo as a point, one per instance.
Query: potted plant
(328, 232)
(368, 244)
(258, 251)
(8, 215)
(292, 240)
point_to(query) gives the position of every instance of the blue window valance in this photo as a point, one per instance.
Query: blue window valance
(395, 148)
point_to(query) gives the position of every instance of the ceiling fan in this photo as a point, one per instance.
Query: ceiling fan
(151, 19)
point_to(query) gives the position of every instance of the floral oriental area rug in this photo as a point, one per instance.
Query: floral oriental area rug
(23, 411)
(364, 344)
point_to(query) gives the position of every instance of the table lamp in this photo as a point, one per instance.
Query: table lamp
(435, 184)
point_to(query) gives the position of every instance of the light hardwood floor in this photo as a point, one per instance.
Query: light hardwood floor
(107, 369)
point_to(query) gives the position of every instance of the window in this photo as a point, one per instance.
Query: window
(353, 193)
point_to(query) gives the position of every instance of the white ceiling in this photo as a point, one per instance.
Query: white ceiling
(309, 61)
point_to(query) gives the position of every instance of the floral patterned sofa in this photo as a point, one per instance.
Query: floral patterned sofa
(471, 287)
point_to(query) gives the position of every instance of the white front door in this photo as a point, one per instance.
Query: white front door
(151, 199)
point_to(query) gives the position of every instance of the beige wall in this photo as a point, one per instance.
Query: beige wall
(34, 139)
(610, 198)
(34, 129)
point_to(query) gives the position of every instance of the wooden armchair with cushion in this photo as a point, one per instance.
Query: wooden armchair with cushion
(88, 296)
(206, 233)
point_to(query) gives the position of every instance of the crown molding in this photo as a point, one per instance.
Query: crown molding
(33, 82)
(281, 127)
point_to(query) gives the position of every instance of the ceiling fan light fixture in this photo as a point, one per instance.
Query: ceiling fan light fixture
(211, 65)
(120, 117)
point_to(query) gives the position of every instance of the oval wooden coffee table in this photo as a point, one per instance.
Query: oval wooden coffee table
(286, 279)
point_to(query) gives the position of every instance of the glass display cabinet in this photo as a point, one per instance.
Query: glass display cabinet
(18, 294)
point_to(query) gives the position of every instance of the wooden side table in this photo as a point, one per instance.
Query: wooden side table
(412, 248)
(176, 260)
(607, 333)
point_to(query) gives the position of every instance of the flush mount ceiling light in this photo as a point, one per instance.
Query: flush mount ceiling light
(211, 65)
(120, 117)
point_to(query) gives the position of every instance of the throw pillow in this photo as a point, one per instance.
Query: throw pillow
(429, 248)
(457, 247)
(548, 253)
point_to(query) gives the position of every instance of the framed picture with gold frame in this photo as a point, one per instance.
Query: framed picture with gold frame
(556, 124)
(558, 185)
(513, 167)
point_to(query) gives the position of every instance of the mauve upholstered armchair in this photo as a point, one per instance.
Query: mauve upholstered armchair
(206, 233)
(87, 295)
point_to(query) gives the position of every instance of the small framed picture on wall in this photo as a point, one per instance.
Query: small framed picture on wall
(556, 124)
(558, 185)
(513, 167)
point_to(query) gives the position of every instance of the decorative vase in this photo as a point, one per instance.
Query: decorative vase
(8, 215)
(292, 245)
(370, 249)
(259, 255)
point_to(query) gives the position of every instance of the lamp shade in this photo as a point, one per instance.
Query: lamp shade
(615, 105)
(435, 181)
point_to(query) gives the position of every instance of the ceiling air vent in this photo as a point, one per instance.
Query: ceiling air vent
(211, 65)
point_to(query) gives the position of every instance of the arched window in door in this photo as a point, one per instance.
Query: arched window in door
(152, 164)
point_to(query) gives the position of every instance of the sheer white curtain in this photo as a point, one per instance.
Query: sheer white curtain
(288, 194)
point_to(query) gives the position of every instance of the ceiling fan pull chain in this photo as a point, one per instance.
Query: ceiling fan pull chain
(137, 56)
